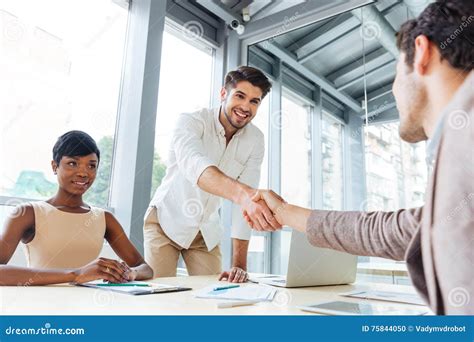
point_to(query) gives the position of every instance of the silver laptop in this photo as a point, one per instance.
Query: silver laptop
(312, 266)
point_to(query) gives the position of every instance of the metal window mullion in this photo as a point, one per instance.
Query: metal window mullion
(273, 242)
(316, 155)
(228, 60)
(344, 173)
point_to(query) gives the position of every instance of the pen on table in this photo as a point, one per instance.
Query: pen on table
(224, 287)
(223, 305)
(123, 284)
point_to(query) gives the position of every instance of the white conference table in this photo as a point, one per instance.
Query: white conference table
(65, 299)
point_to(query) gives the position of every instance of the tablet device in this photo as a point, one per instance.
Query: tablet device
(390, 296)
(352, 308)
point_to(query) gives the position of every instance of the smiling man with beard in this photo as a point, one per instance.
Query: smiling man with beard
(215, 153)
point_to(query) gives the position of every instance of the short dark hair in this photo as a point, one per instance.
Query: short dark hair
(74, 144)
(252, 75)
(445, 23)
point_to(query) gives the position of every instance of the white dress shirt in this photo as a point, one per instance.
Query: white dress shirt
(198, 142)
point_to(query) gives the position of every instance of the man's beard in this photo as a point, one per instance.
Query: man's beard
(229, 119)
(412, 134)
(411, 124)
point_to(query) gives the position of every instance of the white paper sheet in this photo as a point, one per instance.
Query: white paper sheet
(248, 292)
(153, 287)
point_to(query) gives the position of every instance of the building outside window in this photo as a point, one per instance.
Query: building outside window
(396, 178)
(332, 169)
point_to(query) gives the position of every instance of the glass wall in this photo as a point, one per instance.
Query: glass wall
(396, 170)
(295, 162)
(295, 151)
(332, 167)
(183, 88)
(396, 175)
(61, 71)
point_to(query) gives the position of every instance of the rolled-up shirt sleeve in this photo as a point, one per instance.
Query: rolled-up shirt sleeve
(189, 148)
(251, 177)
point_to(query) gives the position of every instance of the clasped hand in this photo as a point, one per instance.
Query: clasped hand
(271, 206)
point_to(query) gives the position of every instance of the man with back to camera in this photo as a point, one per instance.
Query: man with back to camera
(434, 91)
(215, 153)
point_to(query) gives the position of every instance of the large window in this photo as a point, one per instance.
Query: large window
(332, 170)
(295, 125)
(61, 65)
(184, 87)
(396, 170)
(396, 176)
(295, 151)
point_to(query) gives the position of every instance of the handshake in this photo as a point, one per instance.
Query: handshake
(264, 211)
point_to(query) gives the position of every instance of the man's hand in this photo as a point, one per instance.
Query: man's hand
(274, 202)
(235, 275)
(257, 212)
(213, 181)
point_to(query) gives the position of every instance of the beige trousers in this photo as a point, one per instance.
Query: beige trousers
(162, 253)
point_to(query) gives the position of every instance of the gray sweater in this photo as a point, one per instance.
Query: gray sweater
(437, 240)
